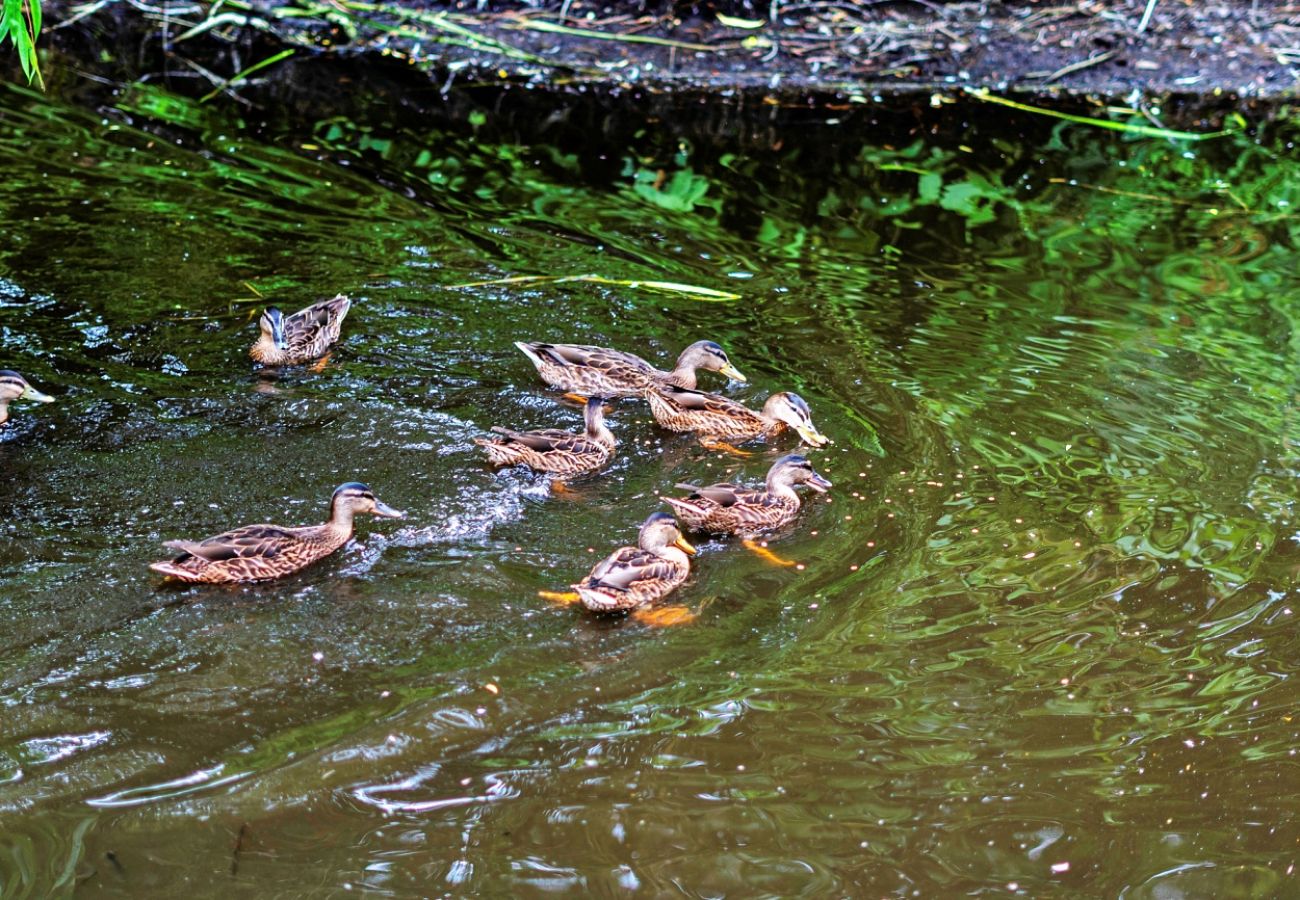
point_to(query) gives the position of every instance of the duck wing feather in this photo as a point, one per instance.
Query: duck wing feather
(628, 566)
(262, 541)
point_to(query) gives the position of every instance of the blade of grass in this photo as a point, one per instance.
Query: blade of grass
(542, 25)
(237, 78)
(438, 22)
(1144, 130)
(672, 287)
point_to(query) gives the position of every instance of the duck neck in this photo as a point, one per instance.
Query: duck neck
(598, 432)
(340, 519)
(683, 375)
(4, 410)
(779, 486)
(775, 425)
(265, 351)
(674, 554)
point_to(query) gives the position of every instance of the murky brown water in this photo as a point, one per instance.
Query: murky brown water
(1043, 642)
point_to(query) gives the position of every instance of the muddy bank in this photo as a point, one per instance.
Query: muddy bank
(1176, 63)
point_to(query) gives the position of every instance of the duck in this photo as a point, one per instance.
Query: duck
(15, 387)
(586, 371)
(265, 552)
(735, 509)
(301, 337)
(721, 422)
(558, 452)
(633, 577)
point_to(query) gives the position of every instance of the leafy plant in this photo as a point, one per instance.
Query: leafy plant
(20, 21)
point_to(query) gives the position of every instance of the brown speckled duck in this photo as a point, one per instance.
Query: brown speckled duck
(631, 577)
(263, 552)
(736, 509)
(718, 419)
(558, 452)
(15, 387)
(598, 371)
(301, 337)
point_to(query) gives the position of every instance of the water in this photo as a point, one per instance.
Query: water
(1044, 637)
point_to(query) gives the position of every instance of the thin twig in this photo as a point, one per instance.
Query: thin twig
(239, 845)
(1146, 16)
(215, 80)
(541, 25)
(1080, 65)
(240, 76)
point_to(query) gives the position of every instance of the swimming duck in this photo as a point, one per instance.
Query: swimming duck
(591, 371)
(301, 337)
(263, 552)
(635, 576)
(720, 421)
(558, 452)
(736, 509)
(15, 387)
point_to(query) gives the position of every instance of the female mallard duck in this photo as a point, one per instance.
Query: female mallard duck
(301, 337)
(720, 420)
(558, 452)
(262, 552)
(736, 509)
(635, 576)
(15, 387)
(597, 371)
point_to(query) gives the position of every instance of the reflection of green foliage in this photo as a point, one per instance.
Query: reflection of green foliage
(682, 191)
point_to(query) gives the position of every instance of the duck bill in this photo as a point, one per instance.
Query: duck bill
(278, 335)
(818, 484)
(30, 393)
(682, 545)
(733, 373)
(387, 512)
(812, 436)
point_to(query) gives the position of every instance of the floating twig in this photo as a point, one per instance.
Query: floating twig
(239, 845)
(668, 286)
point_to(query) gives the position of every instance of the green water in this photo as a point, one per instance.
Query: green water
(1043, 641)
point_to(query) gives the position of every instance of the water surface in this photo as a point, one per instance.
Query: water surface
(1042, 640)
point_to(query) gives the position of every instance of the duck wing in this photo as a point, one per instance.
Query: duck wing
(546, 440)
(723, 495)
(596, 357)
(262, 541)
(319, 319)
(629, 565)
(704, 402)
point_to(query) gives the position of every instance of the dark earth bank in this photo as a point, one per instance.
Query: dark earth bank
(1173, 63)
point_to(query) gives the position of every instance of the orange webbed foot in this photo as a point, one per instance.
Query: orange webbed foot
(319, 365)
(760, 550)
(714, 444)
(664, 616)
(575, 398)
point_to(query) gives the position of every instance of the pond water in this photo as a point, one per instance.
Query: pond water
(1042, 642)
